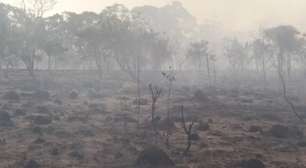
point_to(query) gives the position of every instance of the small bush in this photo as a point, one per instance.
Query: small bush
(73, 95)
(58, 101)
(282, 131)
(43, 110)
(203, 126)
(194, 137)
(199, 95)
(32, 164)
(41, 95)
(5, 120)
(154, 157)
(252, 163)
(11, 95)
(42, 120)
(19, 112)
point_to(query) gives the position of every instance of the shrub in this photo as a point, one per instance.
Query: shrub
(5, 120)
(11, 95)
(154, 157)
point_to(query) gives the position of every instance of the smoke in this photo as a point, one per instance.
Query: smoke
(240, 16)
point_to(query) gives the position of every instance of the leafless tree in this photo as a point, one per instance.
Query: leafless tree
(187, 130)
(156, 93)
(286, 41)
(38, 8)
(170, 77)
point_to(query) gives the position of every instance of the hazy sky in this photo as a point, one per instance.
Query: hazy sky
(241, 15)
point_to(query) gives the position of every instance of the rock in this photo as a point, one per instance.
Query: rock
(282, 131)
(252, 163)
(73, 95)
(32, 164)
(5, 120)
(154, 157)
(42, 120)
(254, 128)
(11, 95)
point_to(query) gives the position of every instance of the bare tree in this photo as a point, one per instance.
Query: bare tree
(30, 22)
(262, 55)
(237, 54)
(285, 39)
(170, 77)
(213, 60)
(38, 8)
(187, 130)
(198, 51)
(156, 93)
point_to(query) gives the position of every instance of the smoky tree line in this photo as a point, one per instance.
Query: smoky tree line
(144, 38)
(116, 36)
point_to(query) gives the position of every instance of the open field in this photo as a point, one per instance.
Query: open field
(79, 123)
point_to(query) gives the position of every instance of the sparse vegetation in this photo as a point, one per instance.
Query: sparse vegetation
(130, 87)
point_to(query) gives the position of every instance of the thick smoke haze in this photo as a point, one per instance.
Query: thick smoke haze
(152, 83)
(234, 15)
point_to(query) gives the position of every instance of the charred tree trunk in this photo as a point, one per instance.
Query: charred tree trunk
(289, 65)
(98, 61)
(6, 71)
(49, 62)
(168, 114)
(155, 93)
(30, 65)
(264, 71)
(187, 130)
(138, 110)
(208, 69)
(284, 86)
(215, 73)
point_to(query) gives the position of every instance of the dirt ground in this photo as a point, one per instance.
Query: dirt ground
(72, 120)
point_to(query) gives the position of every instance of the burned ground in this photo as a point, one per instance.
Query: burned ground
(74, 123)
